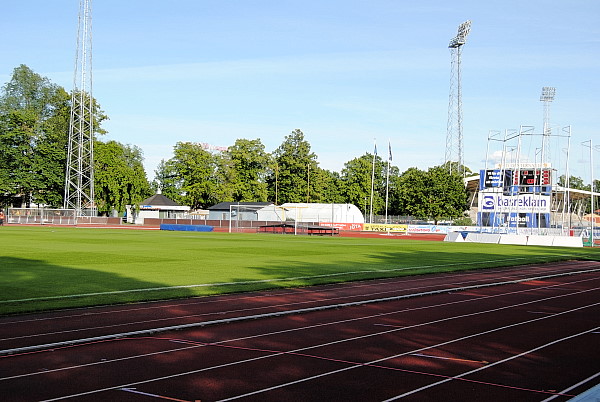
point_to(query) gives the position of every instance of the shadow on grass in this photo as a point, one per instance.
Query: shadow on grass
(404, 262)
(28, 285)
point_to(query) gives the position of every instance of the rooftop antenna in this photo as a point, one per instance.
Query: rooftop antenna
(79, 177)
(454, 133)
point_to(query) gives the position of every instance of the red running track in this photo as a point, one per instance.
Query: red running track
(531, 340)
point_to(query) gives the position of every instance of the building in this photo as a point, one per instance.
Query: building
(158, 207)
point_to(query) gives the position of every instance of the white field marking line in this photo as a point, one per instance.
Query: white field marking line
(456, 377)
(224, 298)
(264, 315)
(219, 299)
(114, 292)
(418, 350)
(225, 312)
(345, 286)
(564, 391)
(340, 341)
(305, 328)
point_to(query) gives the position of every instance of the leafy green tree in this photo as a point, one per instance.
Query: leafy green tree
(167, 181)
(326, 187)
(34, 126)
(120, 178)
(290, 175)
(433, 194)
(413, 193)
(447, 194)
(245, 166)
(356, 179)
(193, 176)
(574, 182)
(34, 116)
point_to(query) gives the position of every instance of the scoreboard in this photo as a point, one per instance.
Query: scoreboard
(517, 181)
(538, 177)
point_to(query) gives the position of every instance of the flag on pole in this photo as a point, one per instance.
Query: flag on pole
(375, 149)
(390, 150)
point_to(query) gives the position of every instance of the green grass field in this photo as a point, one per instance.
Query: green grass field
(53, 267)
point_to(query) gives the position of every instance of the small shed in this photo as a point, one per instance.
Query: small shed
(158, 206)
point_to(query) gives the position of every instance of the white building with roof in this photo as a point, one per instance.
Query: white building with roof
(158, 206)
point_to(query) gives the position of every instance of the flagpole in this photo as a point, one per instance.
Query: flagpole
(373, 182)
(387, 180)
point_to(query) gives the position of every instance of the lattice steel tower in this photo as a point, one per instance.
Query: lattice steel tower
(454, 133)
(79, 178)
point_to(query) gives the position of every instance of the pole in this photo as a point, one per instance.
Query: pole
(387, 181)
(372, 184)
(592, 189)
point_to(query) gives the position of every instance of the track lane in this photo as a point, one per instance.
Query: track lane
(63, 326)
(400, 326)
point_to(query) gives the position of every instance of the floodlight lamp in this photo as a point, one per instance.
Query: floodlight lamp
(547, 94)
(461, 37)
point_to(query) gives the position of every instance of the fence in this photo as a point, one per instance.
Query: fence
(51, 216)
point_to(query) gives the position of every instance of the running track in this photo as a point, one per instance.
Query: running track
(523, 334)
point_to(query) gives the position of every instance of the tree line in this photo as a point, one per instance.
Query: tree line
(246, 172)
(34, 126)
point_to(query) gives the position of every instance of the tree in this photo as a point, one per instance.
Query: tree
(34, 126)
(193, 175)
(290, 176)
(167, 181)
(434, 194)
(120, 178)
(34, 116)
(413, 193)
(447, 194)
(356, 179)
(326, 187)
(574, 182)
(244, 169)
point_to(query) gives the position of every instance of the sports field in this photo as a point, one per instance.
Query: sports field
(54, 267)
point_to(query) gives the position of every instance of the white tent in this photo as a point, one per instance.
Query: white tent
(314, 212)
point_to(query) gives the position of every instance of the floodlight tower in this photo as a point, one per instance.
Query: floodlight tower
(454, 133)
(79, 178)
(546, 97)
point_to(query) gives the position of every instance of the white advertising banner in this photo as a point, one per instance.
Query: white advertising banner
(497, 202)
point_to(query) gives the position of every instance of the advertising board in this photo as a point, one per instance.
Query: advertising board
(428, 228)
(498, 202)
(382, 227)
(344, 226)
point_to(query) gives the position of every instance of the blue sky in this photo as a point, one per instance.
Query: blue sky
(344, 72)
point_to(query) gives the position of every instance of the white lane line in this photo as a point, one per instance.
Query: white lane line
(290, 279)
(342, 341)
(223, 298)
(418, 350)
(584, 381)
(135, 391)
(272, 314)
(460, 376)
(327, 324)
(456, 359)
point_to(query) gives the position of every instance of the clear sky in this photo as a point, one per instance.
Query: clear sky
(344, 72)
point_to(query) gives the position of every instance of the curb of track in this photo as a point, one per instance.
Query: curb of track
(53, 345)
